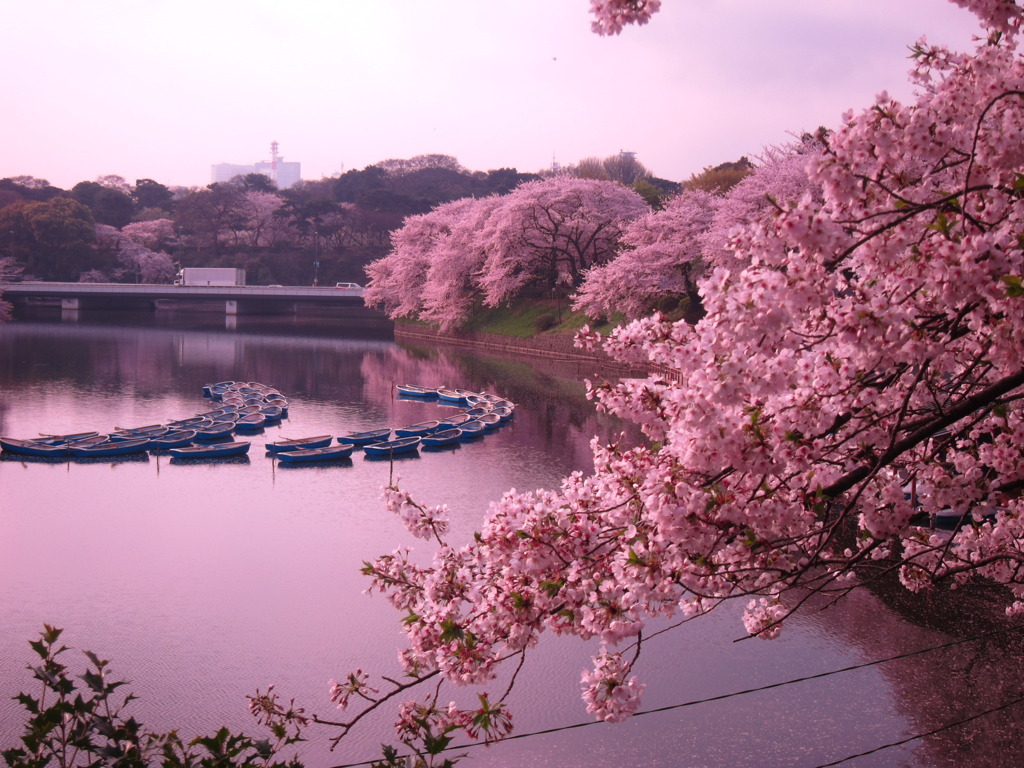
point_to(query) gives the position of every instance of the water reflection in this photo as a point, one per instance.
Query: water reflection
(206, 581)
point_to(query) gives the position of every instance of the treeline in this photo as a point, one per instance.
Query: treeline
(608, 248)
(316, 231)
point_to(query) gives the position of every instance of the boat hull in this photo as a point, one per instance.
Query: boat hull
(210, 451)
(391, 447)
(329, 453)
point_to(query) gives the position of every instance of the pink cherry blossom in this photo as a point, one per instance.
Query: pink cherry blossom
(857, 371)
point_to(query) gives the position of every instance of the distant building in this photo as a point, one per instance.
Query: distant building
(277, 170)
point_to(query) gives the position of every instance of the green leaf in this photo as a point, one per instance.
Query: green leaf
(450, 631)
(1014, 288)
(94, 681)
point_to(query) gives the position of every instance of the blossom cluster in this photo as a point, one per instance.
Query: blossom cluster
(422, 522)
(858, 372)
(544, 234)
(610, 16)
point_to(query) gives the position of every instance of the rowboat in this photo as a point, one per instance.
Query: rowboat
(456, 419)
(251, 422)
(490, 420)
(32, 447)
(58, 439)
(441, 438)
(327, 453)
(418, 430)
(94, 440)
(191, 421)
(112, 448)
(362, 438)
(411, 390)
(391, 447)
(272, 412)
(215, 432)
(299, 443)
(146, 429)
(472, 429)
(216, 450)
(173, 439)
(454, 395)
(503, 412)
(134, 434)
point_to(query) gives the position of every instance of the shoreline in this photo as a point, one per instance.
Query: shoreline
(551, 347)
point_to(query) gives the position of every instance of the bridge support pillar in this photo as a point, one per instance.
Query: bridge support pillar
(231, 307)
(70, 304)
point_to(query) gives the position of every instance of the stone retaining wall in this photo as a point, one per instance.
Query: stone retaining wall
(556, 347)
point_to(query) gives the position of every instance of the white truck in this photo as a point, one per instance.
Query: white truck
(210, 276)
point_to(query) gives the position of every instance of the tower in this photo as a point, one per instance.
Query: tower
(273, 162)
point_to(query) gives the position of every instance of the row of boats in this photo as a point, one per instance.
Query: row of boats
(482, 413)
(244, 407)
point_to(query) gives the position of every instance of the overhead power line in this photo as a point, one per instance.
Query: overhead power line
(771, 686)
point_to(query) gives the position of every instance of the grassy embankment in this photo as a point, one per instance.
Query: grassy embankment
(529, 318)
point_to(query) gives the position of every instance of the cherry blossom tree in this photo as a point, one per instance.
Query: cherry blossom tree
(666, 252)
(543, 235)
(861, 375)
(449, 292)
(260, 222)
(155, 233)
(397, 280)
(550, 232)
(779, 179)
(661, 257)
(134, 249)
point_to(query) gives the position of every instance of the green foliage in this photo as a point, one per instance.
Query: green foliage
(546, 321)
(654, 196)
(721, 178)
(81, 723)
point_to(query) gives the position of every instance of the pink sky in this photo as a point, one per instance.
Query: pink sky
(161, 89)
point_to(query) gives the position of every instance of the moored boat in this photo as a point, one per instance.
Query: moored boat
(299, 443)
(420, 429)
(363, 438)
(441, 438)
(454, 420)
(391, 447)
(211, 451)
(32, 447)
(503, 412)
(327, 453)
(490, 420)
(411, 390)
(454, 395)
(174, 439)
(215, 431)
(111, 448)
(59, 439)
(121, 434)
(472, 429)
(272, 412)
(251, 422)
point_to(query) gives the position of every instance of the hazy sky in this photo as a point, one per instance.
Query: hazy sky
(163, 89)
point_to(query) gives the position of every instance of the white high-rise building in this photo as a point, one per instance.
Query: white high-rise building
(277, 170)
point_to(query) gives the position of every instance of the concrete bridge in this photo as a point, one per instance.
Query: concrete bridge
(233, 299)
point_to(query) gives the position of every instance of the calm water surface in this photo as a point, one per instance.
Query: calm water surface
(203, 582)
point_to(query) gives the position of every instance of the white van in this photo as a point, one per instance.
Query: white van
(348, 285)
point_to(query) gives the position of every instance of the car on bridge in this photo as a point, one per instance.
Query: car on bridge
(348, 285)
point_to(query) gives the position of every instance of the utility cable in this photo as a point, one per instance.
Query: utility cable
(770, 686)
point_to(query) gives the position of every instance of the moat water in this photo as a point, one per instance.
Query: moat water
(204, 582)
